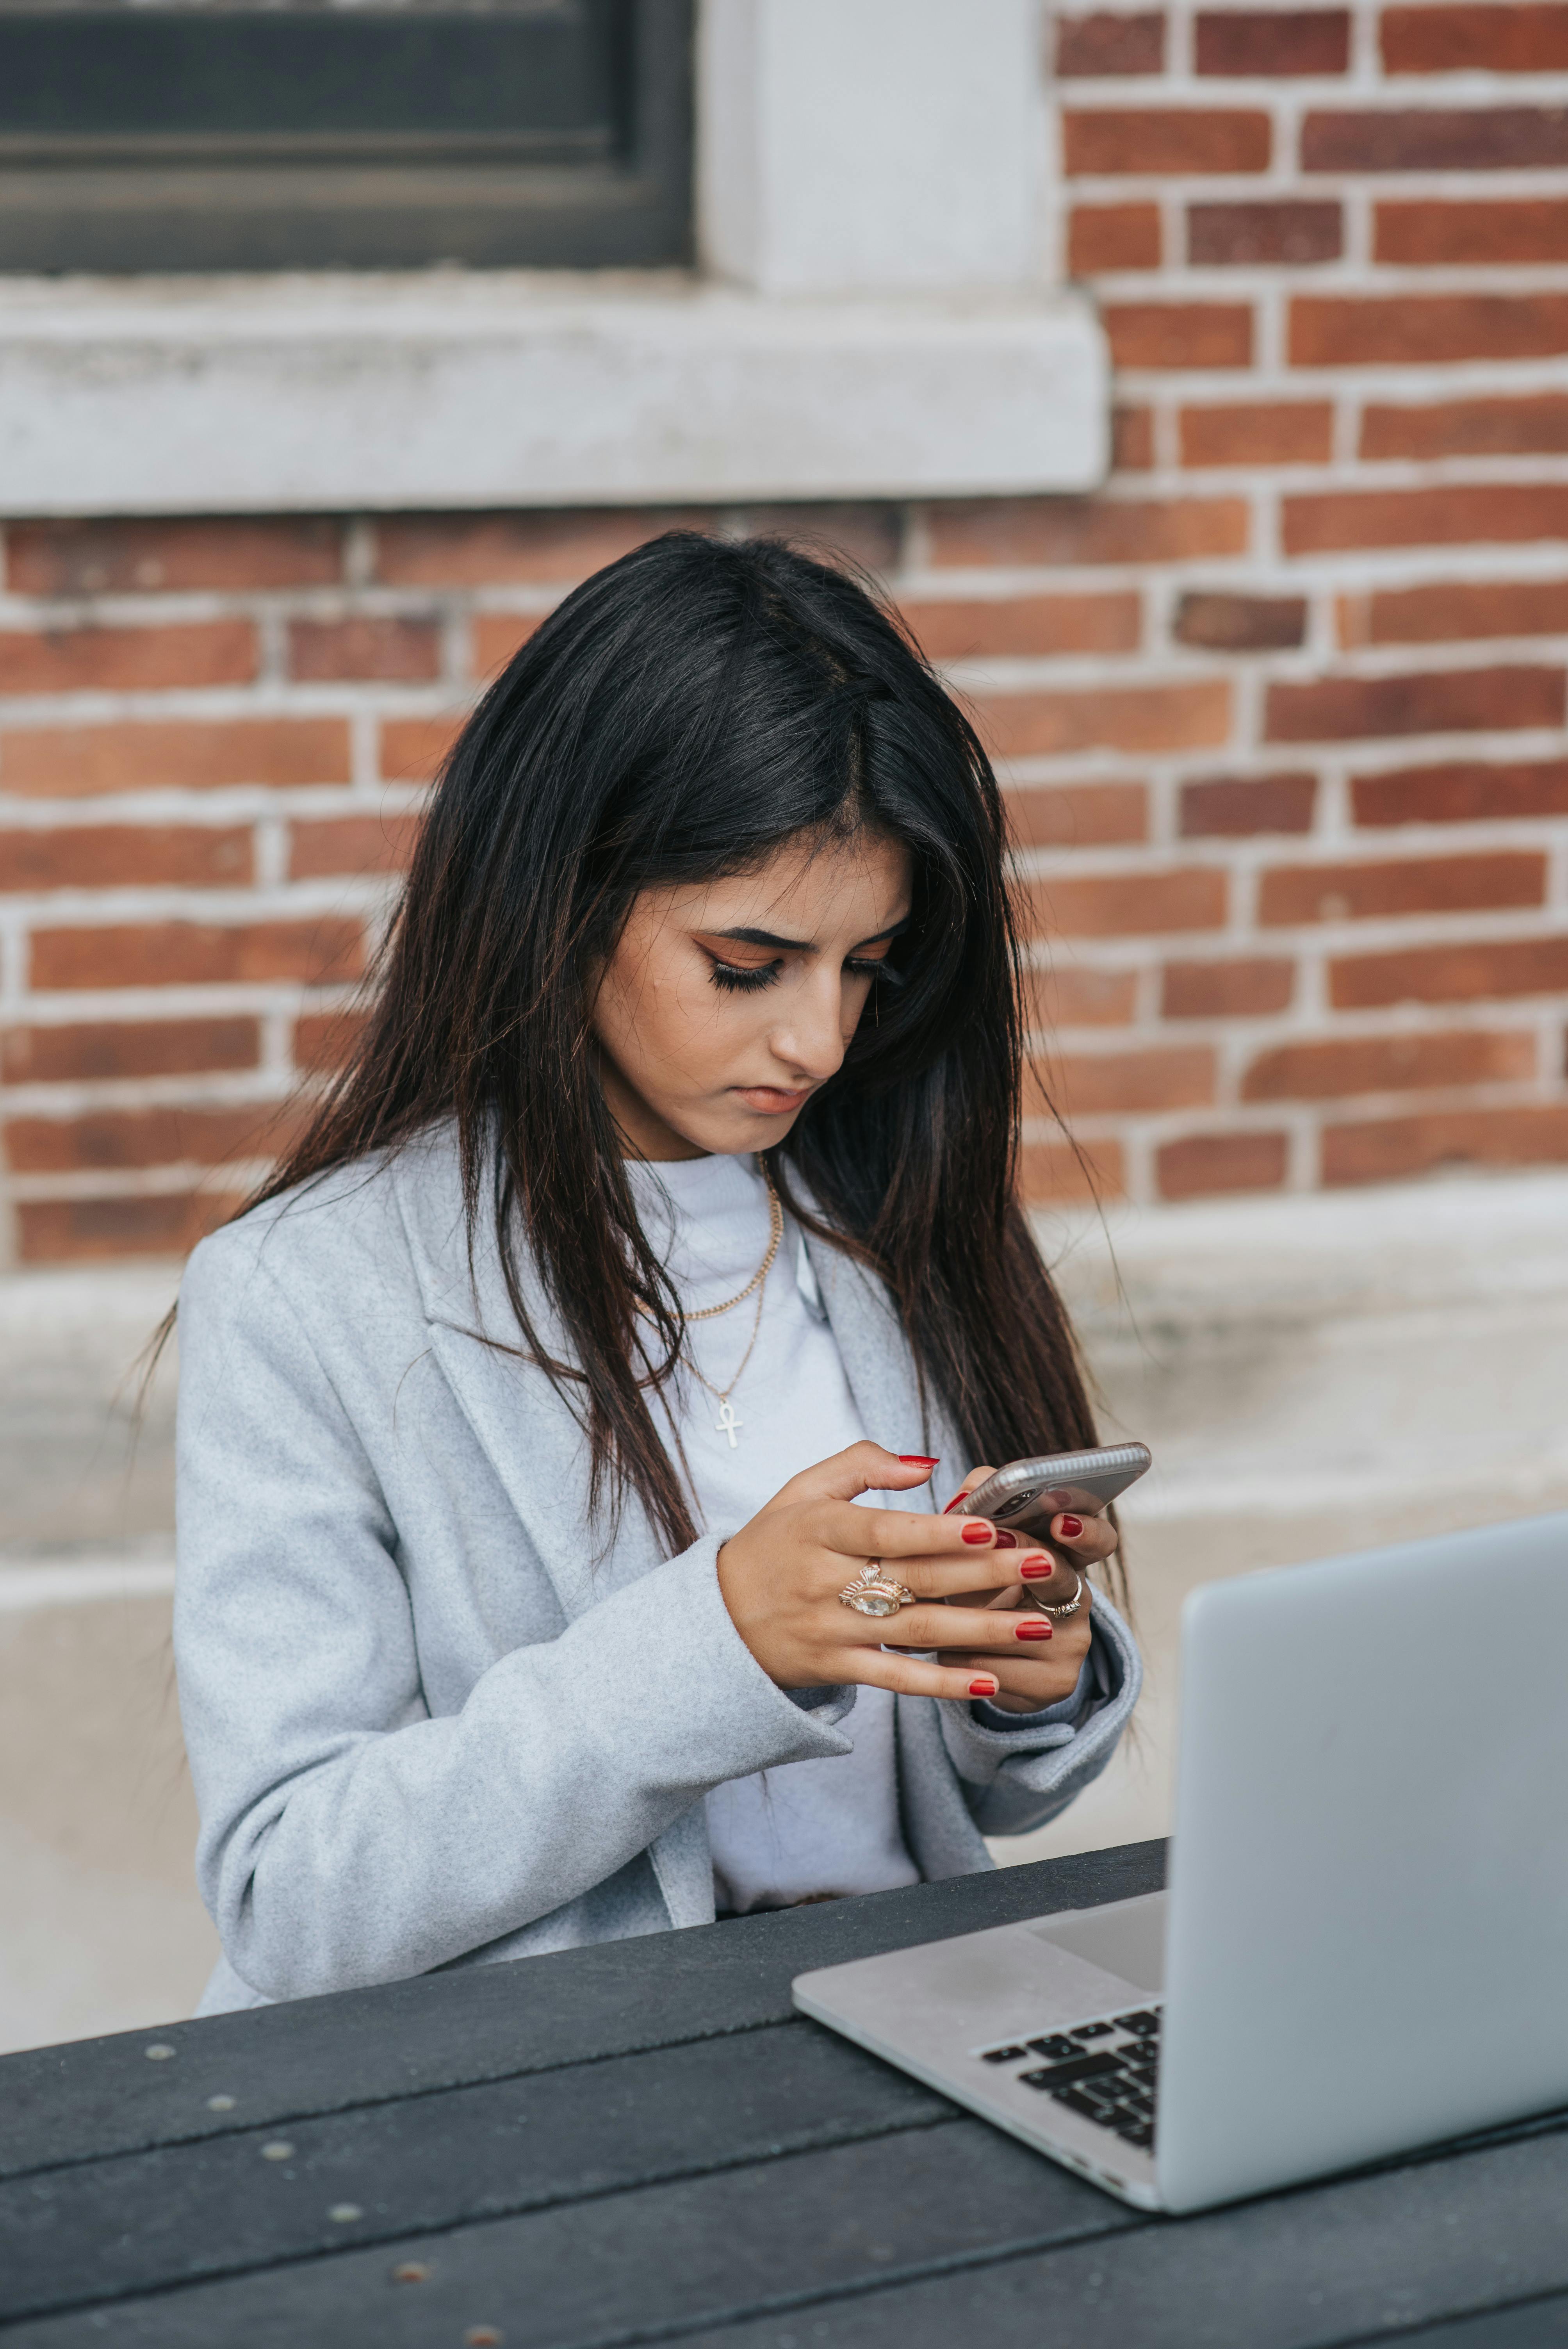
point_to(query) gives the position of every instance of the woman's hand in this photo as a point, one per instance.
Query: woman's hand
(1045, 1672)
(781, 1575)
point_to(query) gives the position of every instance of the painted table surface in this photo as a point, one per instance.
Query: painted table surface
(643, 2142)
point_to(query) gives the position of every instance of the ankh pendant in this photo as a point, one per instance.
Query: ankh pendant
(727, 1422)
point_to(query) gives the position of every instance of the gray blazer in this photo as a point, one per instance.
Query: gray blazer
(434, 1716)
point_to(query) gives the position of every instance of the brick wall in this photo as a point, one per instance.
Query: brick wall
(1281, 708)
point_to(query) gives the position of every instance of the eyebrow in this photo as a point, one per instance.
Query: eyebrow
(799, 945)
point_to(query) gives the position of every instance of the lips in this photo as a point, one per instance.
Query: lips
(772, 1100)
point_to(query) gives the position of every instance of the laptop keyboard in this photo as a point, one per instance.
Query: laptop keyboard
(1107, 2072)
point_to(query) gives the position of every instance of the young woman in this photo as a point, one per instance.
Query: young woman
(563, 1432)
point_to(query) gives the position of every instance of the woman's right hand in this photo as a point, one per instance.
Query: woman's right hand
(780, 1577)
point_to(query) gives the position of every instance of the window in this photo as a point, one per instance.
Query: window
(522, 133)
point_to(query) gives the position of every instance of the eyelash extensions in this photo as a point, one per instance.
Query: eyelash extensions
(733, 980)
(736, 981)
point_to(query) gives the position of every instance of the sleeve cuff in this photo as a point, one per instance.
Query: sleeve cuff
(1065, 1711)
(984, 1743)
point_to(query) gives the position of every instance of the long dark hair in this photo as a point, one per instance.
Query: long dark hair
(680, 716)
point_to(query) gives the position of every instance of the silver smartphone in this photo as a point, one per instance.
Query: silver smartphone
(1027, 1494)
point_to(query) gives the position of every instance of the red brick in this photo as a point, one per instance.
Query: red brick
(96, 558)
(65, 1231)
(1385, 1064)
(1147, 142)
(1252, 987)
(1110, 44)
(1086, 530)
(1202, 1164)
(352, 843)
(1455, 611)
(322, 1041)
(500, 549)
(1416, 236)
(103, 660)
(1240, 624)
(1189, 717)
(1179, 334)
(1426, 329)
(1339, 709)
(121, 856)
(1291, 894)
(1450, 974)
(497, 636)
(126, 1047)
(1240, 807)
(1129, 905)
(1055, 1172)
(1274, 41)
(1492, 38)
(1457, 513)
(1131, 439)
(198, 954)
(1112, 1084)
(1536, 423)
(184, 754)
(1462, 793)
(1391, 1149)
(1024, 627)
(1078, 815)
(1271, 432)
(1432, 139)
(386, 650)
(413, 748)
(1103, 237)
(163, 1136)
(1073, 996)
(1286, 230)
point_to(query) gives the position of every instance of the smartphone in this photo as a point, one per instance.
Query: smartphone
(1028, 1494)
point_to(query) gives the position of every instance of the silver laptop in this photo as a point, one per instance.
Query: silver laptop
(1363, 1947)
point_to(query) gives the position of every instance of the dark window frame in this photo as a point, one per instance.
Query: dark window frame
(608, 193)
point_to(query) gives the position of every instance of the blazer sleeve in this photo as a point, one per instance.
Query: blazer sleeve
(1020, 1777)
(347, 1836)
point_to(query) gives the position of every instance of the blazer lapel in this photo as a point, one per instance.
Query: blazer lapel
(526, 1427)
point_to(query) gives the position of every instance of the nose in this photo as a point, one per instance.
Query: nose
(810, 1038)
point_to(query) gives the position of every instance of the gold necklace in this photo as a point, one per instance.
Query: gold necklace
(774, 1234)
(727, 1422)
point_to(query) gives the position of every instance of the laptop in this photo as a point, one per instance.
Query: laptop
(1364, 1945)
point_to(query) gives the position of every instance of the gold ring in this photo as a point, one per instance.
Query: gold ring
(873, 1592)
(1069, 1607)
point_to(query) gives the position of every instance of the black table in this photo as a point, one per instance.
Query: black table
(641, 2143)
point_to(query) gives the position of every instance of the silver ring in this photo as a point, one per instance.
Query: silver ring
(1069, 1607)
(873, 1592)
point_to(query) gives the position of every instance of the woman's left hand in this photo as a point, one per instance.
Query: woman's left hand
(1051, 1672)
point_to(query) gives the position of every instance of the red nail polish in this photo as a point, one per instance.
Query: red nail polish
(1034, 1627)
(917, 1460)
(1069, 1528)
(1005, 1540)
(983, 1688)
(958, 1498)
(975, 1533)
(1035, 1569)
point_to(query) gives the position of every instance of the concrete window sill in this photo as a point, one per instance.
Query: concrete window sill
(447, 389)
